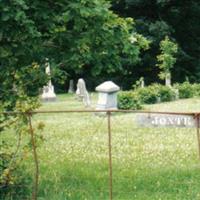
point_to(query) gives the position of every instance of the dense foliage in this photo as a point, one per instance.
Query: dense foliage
(128, 100)
(86, 39)
(16, 147)
(187, 90)
(79, 37)
(156, 93)
(157, 18)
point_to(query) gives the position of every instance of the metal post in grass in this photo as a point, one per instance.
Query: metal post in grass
(110, 154)
(197, 116)
(35, 184)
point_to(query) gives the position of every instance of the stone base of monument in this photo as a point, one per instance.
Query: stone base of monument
(48, 94)
(106, 101)
(49, 99)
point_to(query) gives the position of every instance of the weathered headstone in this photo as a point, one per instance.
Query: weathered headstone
(168, 80)
(176, 91)
(107, 95)
(82, 93)
(71, 86)
(48, 90)
(166, 120)
(142, 82)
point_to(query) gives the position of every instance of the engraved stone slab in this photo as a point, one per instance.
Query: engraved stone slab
(166, 120)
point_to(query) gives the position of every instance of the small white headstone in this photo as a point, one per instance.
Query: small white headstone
(107, 95)
(176, 94)
(82, 92)
(168, 80)
(48, 90)
(142, 82)
(71, 86)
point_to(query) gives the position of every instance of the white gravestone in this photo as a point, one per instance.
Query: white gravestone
(71, 86)
(142, 82)
(48, 90)
(82, 92)
(107, 95)
(168, 80)
(176, 94)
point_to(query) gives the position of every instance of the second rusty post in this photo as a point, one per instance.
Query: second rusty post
(110, 154)
(197, 116)
(33, 143)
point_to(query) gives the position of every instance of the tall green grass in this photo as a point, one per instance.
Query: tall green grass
(148, 163)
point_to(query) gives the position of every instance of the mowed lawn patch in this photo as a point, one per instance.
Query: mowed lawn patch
(148, 163)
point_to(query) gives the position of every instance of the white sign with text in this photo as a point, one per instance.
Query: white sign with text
(166, 120)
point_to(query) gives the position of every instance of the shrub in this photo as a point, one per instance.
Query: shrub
(186, 90)
(128, 100)
(196, 89)
(147, 95)
(14, 179)
(156, 93)
(165, 93)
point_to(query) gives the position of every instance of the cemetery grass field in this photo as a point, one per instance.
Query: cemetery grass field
(148, 163)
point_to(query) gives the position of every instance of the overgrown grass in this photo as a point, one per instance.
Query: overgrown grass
(148, 163)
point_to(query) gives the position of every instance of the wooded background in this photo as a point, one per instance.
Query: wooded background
(156, 18)
(91, 40)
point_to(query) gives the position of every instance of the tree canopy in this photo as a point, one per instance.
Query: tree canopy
(77, 36)
(157, 18)
(89, 39)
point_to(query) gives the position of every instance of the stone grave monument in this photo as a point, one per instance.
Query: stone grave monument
(82, 93)
(168, 80)
(71, 86)
(48, 90)
(142, 82)
(107, 95)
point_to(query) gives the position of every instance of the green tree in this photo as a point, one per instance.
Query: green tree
(19, 53)
(156, 18)
(167, 59)
(79, 37)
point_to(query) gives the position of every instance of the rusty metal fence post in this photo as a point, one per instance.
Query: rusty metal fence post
(110, 154)
(197, 116)
(35, 157)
